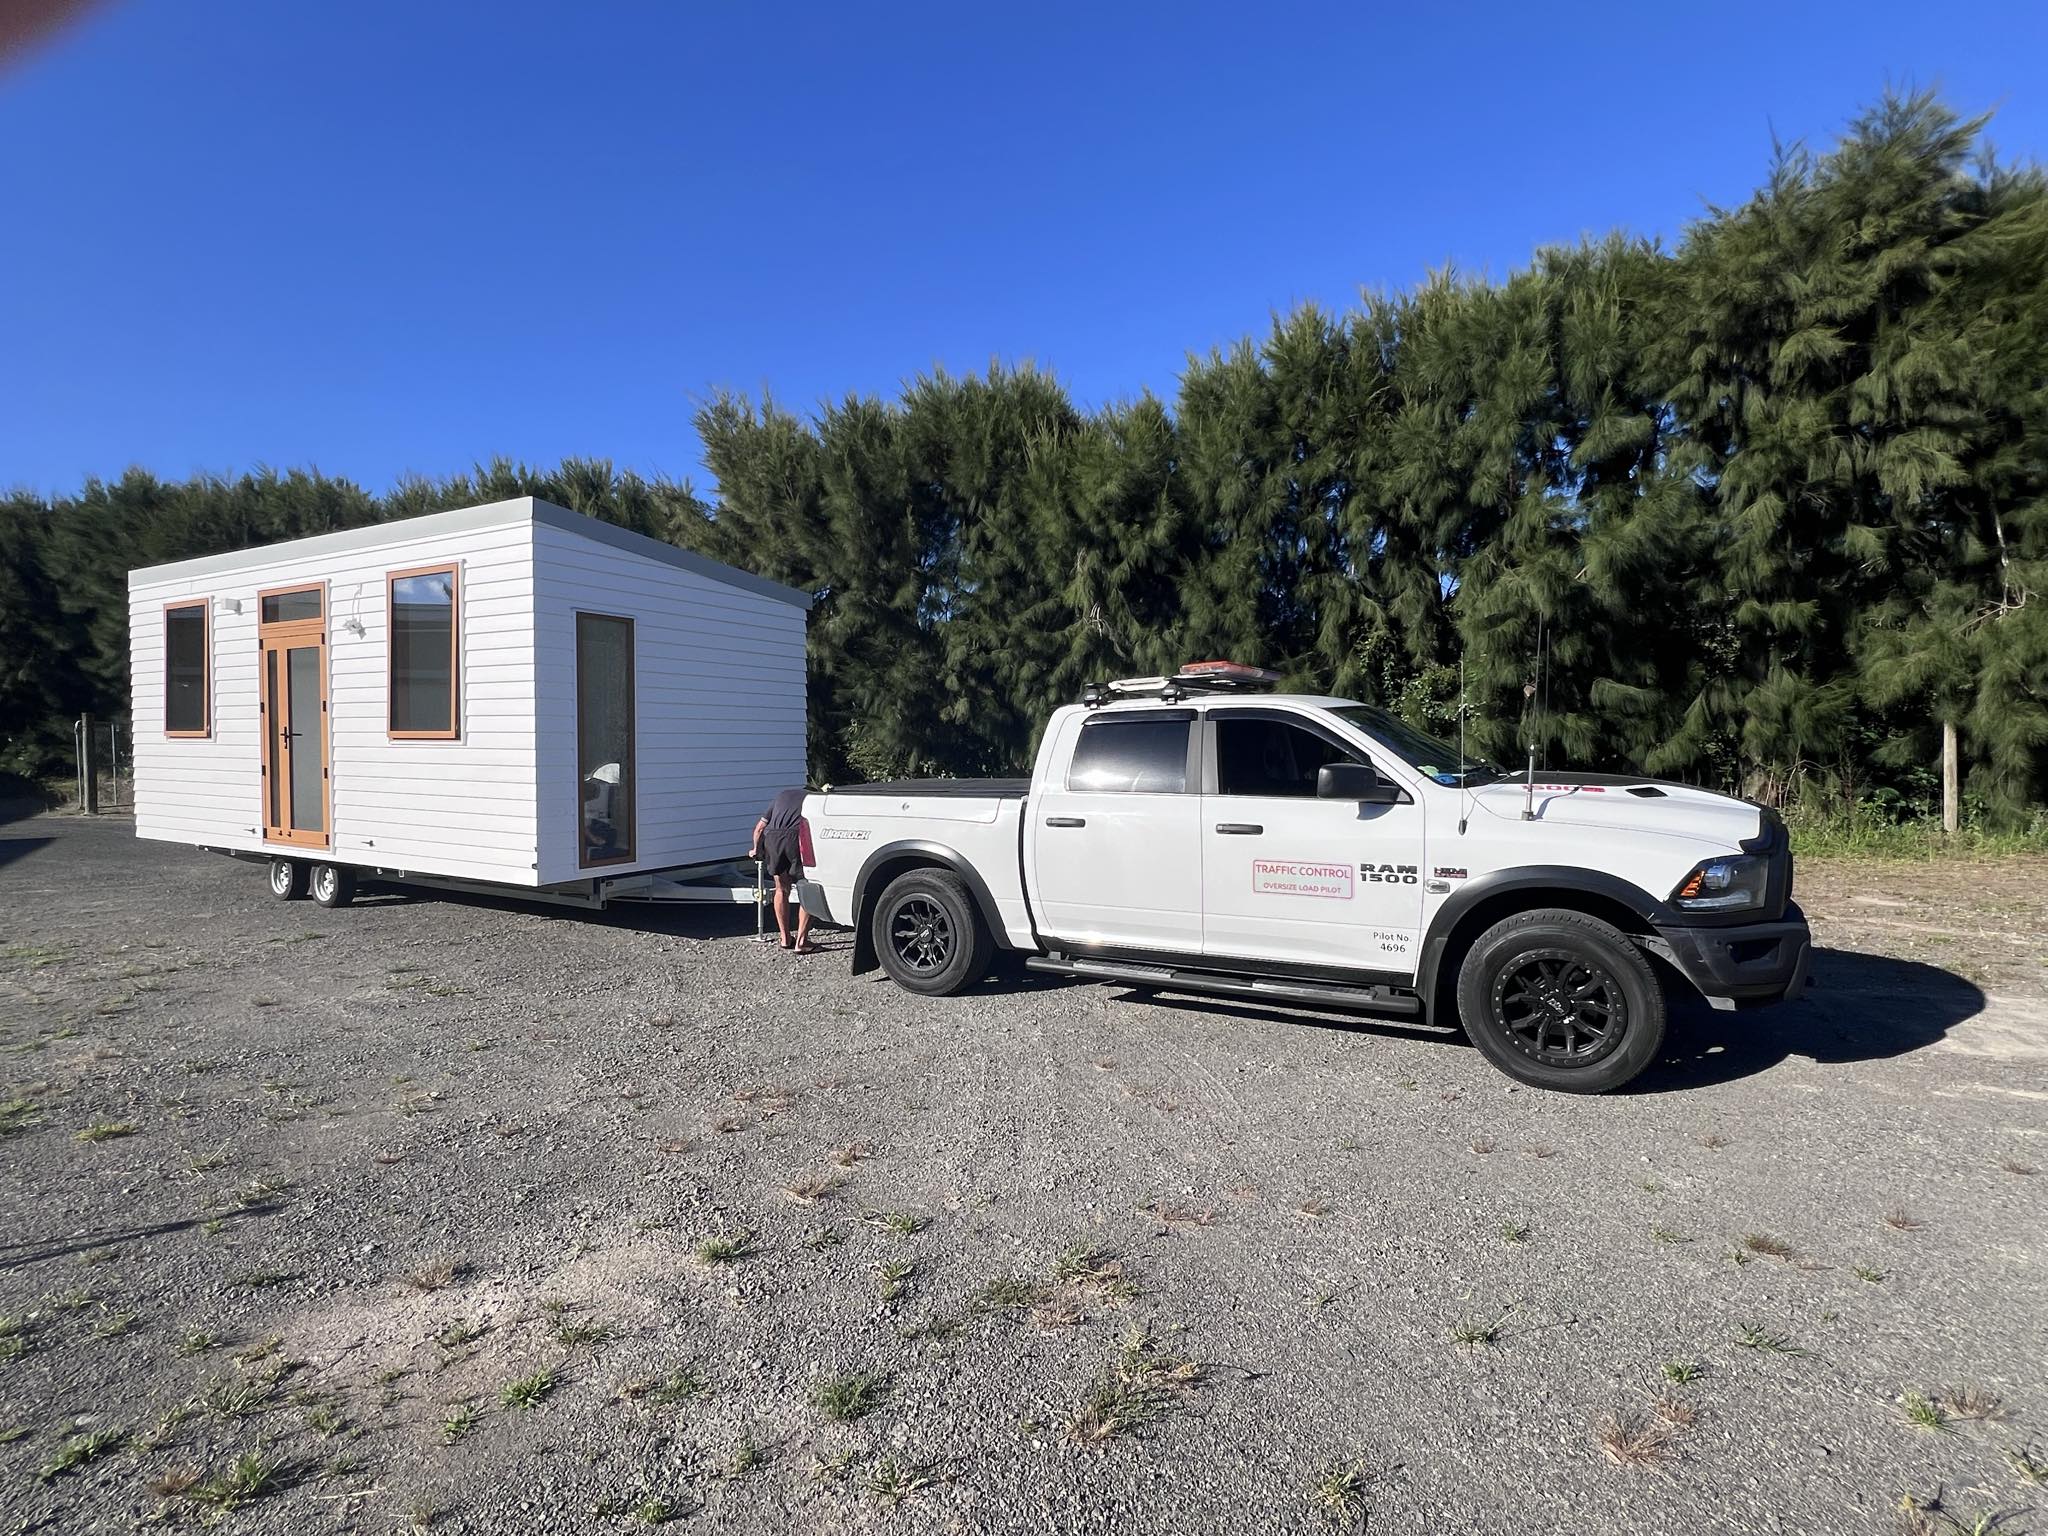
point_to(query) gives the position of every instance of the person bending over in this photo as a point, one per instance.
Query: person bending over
(778, 839)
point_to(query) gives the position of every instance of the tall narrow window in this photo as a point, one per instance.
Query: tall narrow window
(425, 650)
(186, 702)
(604, 739)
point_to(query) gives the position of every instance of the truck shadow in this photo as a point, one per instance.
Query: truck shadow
(1861, 1007)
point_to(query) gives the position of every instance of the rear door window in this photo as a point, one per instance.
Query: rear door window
(1139, 756)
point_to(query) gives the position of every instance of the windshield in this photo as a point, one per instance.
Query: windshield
(1418, 749)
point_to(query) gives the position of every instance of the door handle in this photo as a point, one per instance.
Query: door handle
(1066, 821)
(1239, 828)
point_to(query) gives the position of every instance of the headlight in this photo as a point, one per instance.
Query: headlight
(1722, 885)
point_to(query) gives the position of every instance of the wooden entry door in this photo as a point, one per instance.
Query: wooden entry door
(292, 683)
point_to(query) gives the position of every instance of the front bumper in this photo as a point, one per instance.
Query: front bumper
(1744, 966)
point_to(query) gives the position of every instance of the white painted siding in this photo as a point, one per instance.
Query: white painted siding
(462, 808)
(718, 701)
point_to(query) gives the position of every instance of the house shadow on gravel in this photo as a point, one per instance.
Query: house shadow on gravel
(1861, 1007)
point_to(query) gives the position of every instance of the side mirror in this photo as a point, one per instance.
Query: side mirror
(1354, 781)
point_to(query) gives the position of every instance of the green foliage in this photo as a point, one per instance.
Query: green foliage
(1768, 511)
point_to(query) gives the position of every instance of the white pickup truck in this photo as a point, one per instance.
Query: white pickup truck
(1322, 853)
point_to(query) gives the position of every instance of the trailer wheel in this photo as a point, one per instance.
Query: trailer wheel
(1561, 1000)
(287, 879)
(333, 886)
(929, 934)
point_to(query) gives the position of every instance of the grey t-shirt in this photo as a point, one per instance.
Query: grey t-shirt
(787, 810)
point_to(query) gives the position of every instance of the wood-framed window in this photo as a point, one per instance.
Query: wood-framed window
(423, 609)
(607, 788)
(188, 667)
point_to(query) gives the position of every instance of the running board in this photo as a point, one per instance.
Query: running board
(1312, 994)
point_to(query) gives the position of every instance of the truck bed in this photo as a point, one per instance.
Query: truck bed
(944, 789)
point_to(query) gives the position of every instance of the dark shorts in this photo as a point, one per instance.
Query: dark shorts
(782, 852)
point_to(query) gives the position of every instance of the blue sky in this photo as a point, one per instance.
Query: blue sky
(385, 237)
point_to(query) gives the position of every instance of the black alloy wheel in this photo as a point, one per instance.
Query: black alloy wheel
(921, 934)
(1559, 1008)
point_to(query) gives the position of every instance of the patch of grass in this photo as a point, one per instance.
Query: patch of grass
(81, 1450)
(1143, 1382)
(18, 1115)
(1512, 1232)
(1007, 1294)
(853, 1152)
(846, 1398)
(727, 1250)
(460, 1332)
(1683, 1372)
(1870, 1276)
(896, 1223)
(1924, 1413)
(457, 1422)
(680, 1385)
(1628, 1441)
(656, 1510)
(1757, 1337)
(892, 1280)
(893, 1480)
(816, 1187)
(2028, 1464)
(106, 1130)
(250, 1477)
(593, 1332)
(325, 1422)
(13, 1432)
(1475, 1332)
(115, 1325)
(818, 1239)
(832, 1468)
(1899, 1219)
(436, 1275)
(1675, 1411)
(1097, 1271)
(526, 1391)
(1664, 1234)
(746, 1458)
(1338, 1494)
(17, 1335)
(1971, 1403)
(1765, 1244)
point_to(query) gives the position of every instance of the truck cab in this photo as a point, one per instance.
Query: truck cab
(1184, 834)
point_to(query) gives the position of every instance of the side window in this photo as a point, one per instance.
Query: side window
(186, 694)
(1133, 757)
(1271, 758)
(425, 647)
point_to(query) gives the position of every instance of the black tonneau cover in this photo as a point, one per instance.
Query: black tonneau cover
(945, 789)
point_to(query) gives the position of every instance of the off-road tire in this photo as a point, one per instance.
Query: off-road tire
(929, 934)
(1561, 1000)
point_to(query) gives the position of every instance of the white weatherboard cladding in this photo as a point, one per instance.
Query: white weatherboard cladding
(718, 701)
(719, 697)
(462, 809)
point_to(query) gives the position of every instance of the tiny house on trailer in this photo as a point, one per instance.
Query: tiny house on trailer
(509, 695)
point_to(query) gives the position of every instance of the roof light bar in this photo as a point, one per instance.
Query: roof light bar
(1195, 677)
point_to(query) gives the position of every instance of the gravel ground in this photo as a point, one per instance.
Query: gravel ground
(365, 1178)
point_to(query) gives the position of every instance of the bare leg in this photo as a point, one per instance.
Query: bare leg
(782, 907)
(803, 927)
